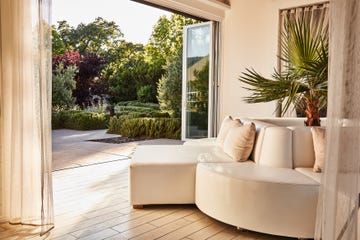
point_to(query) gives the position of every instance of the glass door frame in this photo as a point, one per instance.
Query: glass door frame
(212, 84)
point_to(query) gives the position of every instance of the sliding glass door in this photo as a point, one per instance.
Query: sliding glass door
(198, 93)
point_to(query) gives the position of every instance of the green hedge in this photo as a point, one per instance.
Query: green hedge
(135, 114)
(154, 106)
(79, 120)
(146, 127)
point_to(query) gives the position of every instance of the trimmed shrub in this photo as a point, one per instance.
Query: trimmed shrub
(136, 114)
(146, 128)
(79, 120)
(153, 106)
(135, 109)
(120, 109)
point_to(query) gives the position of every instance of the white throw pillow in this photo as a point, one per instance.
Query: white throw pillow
(319, 141)
(226, 125)
(240, 141)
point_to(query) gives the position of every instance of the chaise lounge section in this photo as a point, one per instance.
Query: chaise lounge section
(166, 174)
(274, 192)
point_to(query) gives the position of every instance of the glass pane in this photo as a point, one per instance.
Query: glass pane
(197, 81)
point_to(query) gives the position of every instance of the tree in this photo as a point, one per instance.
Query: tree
(129, 72)
(95, 37)
(305, 50)
(87, 78)
(88, 82)
(108, 65)
(124, 51)
(170, 86)
(62, 32)
(63, 84)
(166, 38)
(58, 45)
(68, 58)
(125, 79)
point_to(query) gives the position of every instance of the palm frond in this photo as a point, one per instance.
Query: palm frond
(304, 50)
(283, 86)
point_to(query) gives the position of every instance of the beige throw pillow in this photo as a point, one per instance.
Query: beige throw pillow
(319, 141)
(226, 125)
(240, 142)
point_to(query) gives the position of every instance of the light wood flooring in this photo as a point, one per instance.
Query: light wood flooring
(91, 202)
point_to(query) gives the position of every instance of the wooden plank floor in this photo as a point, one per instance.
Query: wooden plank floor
(91, 203)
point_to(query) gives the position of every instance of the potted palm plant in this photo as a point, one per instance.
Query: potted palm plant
(303, 81)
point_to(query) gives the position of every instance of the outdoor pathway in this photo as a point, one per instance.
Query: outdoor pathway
(72, 148)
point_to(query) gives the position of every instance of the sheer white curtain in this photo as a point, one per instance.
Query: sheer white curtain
(338, 202)
(25, 104)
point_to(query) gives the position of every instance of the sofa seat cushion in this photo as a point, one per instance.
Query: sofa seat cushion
(166, 154)
(277, 201)
(201, 142)
(214, 155)
(249, 171)
(310, 173)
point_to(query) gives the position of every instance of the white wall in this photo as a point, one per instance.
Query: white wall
(249, 40)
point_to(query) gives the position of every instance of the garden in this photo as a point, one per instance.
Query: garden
(101, 81)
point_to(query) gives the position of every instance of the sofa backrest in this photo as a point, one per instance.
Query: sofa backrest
(259, 136)
(279, 145)
(282, 142)
(277, 148)
(285, 122)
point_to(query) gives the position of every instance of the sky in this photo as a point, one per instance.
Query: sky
(134, 19)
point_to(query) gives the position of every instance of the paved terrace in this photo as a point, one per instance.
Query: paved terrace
(91, 198)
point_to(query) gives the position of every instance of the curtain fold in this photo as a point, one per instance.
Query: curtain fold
(25, 107)
(337, 216)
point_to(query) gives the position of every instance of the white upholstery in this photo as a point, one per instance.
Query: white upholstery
(276, 149)
(271, 200)
(259, 136)
(310, 173)
(265, 195)
(166, 174)
(201, 141)
(156, 171)
(253, 172)
(303, 148)
(214, 155)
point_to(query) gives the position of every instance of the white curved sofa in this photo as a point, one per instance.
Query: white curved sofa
(274, 192)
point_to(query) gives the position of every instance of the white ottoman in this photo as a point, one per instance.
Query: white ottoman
(165, 174)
